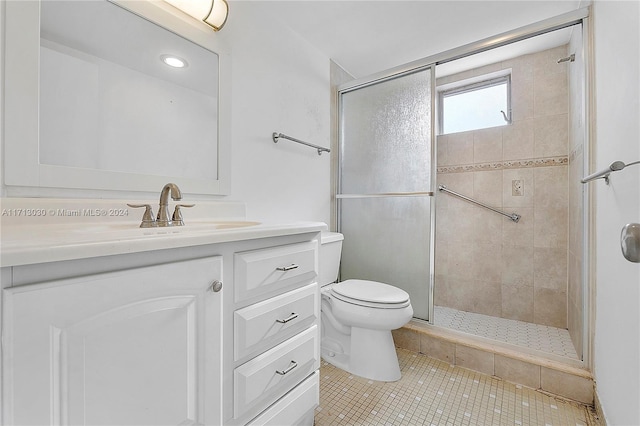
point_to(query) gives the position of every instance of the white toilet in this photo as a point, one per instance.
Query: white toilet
(357, 318)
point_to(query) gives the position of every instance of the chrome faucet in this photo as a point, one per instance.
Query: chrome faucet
(164, 218)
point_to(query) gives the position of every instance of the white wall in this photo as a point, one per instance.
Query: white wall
(617, 331)
(280, 84)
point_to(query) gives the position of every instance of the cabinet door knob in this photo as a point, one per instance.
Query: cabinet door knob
(291, 367)
(215, 286)
(287, 268)
(289, 318)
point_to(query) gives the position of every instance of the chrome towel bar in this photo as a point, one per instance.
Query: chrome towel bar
(604, 174)
(513, 216)
(277, 136)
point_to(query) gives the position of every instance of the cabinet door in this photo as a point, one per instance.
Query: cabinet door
(135, 347)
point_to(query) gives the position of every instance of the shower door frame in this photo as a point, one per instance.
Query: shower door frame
(349, 87)
(577, 17)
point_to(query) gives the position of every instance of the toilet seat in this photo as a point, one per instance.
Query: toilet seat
(371, 294)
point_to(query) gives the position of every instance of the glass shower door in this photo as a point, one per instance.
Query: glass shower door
(385, 184)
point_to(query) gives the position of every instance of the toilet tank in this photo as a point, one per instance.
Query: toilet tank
(330, 252)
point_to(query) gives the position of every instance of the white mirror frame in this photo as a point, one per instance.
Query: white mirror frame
(22, 168)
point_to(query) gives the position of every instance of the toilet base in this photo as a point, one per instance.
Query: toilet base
(372, 355)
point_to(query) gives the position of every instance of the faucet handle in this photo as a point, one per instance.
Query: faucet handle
(148, 220)
(177, 214)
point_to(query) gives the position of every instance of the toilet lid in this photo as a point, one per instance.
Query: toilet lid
(371, 292)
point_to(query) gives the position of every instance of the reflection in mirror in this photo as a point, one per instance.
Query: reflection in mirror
(109, 102)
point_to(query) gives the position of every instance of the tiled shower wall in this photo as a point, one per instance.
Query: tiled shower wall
(486, 263)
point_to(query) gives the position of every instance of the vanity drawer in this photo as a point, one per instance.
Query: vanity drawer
(293, 408)
(270, 271)
(263, 380)
(260, 326)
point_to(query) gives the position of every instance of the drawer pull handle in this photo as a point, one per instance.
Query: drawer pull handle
(287, 268)
(290, 318)
(291, 367)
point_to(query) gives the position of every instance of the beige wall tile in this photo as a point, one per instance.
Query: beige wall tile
(487, 145)
(460, 261)
(438, 348)
(567, 385)
(518, 234)
(517, 140)
(551, 136)
(487, 227)
(517, 267)
(522, 100)
(546, 62)
(460, 148)
(550, 95)
(485, 298)
(442, 154)
(442, 296)
(574, 324)
(459, 182)
(521, 67)
(453, 292)
(550, 186)
(574, 280)
(528, 187)
(474, 359)
(550, 227)
(517, 302)
(516, 371)
(550, 268)
(441, 257)
(550, 307)
(487, 187)
(487, 262)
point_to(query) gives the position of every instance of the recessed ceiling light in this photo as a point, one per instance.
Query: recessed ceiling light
(174, 61)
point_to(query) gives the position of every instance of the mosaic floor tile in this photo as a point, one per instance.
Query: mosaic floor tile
(432, 392)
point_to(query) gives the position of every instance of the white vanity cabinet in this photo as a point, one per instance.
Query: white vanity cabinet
(138, 347)
(148, 337)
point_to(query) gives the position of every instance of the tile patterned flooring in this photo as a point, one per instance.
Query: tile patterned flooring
(432, 392)
(540, 337)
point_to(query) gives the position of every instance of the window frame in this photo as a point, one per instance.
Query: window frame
(467, 86)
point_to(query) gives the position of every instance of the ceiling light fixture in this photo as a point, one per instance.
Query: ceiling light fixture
(212, 12)
(174, 61)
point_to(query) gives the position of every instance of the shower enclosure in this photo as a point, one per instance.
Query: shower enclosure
(457, 260)
(385, 183)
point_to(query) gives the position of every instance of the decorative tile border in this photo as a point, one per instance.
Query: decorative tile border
(510, 164)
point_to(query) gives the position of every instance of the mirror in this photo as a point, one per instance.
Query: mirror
(109, 113)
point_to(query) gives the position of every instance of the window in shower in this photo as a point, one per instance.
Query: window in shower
(475, 105)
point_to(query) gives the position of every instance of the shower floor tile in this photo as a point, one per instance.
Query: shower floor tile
(432, 392)
(534, 336)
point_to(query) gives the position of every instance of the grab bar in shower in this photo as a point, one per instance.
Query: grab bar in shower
(277, 136)
(513, 216)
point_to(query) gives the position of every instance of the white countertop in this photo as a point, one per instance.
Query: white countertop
(45, 230)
